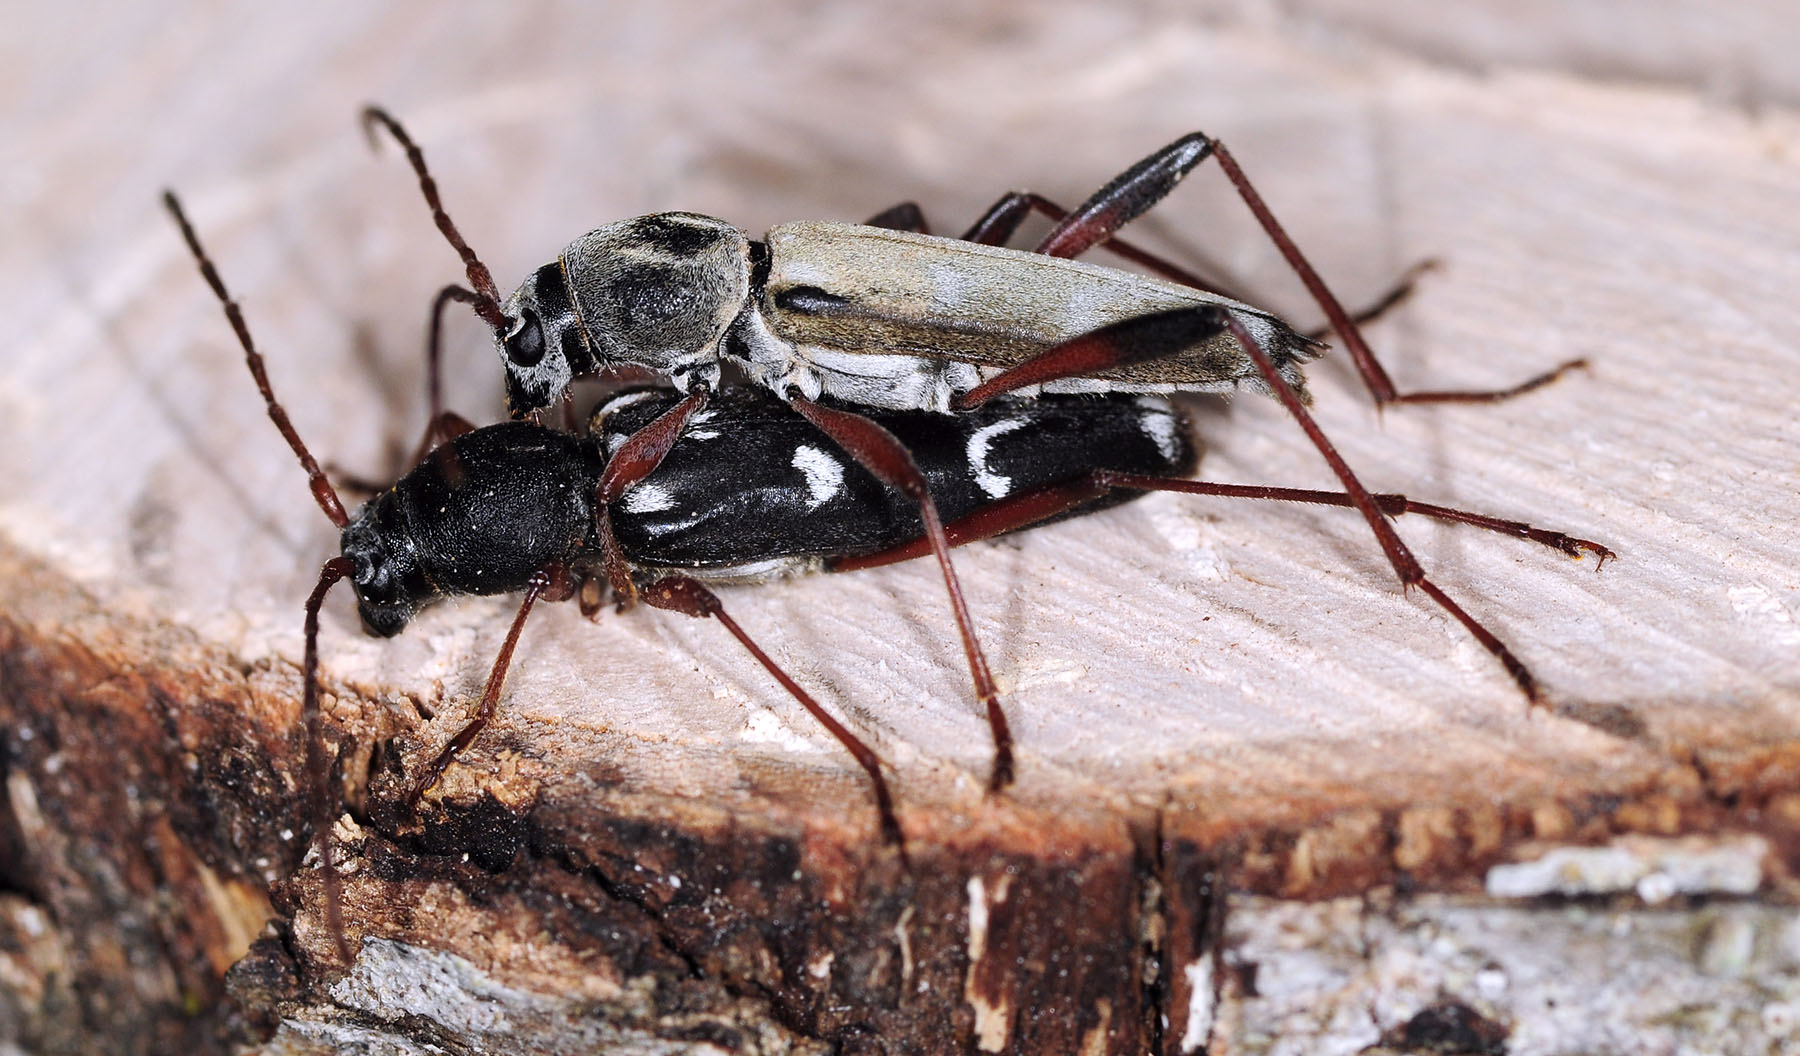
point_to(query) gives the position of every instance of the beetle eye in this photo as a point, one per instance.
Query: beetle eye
(525, 344)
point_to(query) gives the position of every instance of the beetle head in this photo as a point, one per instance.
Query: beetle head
(543, 346)
(389, 585)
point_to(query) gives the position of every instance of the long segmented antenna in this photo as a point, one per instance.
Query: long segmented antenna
(323, 493)
(487, 302)
(317, 769)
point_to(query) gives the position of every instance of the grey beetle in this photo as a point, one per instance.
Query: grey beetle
(878, 315)
(885, 316)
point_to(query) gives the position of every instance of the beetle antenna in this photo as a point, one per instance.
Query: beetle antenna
(487, 303)
(318, 773)
(323, 493)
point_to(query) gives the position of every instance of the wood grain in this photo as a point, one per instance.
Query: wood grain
(1237, 682)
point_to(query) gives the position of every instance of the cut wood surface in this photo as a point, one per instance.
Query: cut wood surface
(1206, 691)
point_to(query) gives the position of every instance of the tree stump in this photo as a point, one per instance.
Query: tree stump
(1267, 802)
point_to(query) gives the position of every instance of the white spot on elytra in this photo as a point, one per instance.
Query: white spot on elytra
(1158, 423)
(995, 485)
(824, 476)
(648, 498)
(695, 428)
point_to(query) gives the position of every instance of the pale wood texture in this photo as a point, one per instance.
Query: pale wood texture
(1222, 673)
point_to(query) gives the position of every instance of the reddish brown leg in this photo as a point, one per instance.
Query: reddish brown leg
(441, 425)
(446, 426)
(997, 226)
(434, 359)
(1126, 197)
(550, 584)
(907, 216)
(1132, 192)
(1381, 387)
(571, 422)
(1002, 219)
(877, 450)
(1405, 565)
(318, 771)
(1396, 295)
(1022, 511)
(636, 459)
(1135, 340)
(689, 597)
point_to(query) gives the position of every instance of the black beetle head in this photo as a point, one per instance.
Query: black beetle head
(389, 586)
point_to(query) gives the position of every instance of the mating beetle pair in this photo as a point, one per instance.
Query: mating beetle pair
(866, 432)
(884, 316)
(749, 493)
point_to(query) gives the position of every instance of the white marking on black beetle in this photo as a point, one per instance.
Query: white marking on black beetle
(1159, 423)
(646, 497)
(995, 485)
(824, 476)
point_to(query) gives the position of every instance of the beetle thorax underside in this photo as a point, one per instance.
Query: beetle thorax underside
(659, 291)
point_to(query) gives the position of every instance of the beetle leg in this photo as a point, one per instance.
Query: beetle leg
(1374, 376)
(907, 216)
(441, 425)
(590, 594)
(636, 459)
(1020, 511)
(445, 426)
(434, 386)
(1125, 197)
(1405, 565)
(879, 452)
(1138, 188)
(1397, 294)
(1134, 340)
(689, 597)
(1002, 219)
(552, 584)
(997, 226)
(1105, 343)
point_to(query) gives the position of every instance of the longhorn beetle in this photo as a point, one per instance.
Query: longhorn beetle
(748, 493)
(886, 316)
